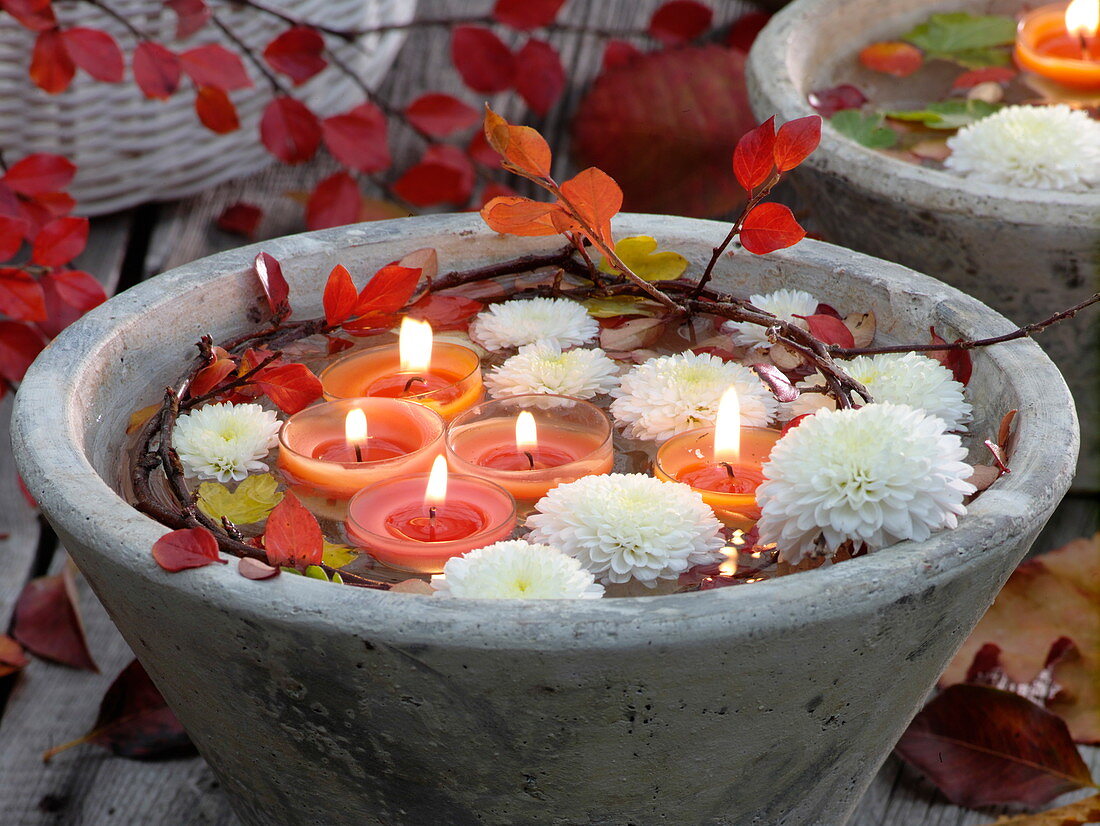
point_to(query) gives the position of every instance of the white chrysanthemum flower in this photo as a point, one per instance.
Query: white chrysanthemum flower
(225, 441)
(515, 569)
(543, 367)
(515, 323)
(876, 476)
(783, 304)
(898, 378)
(1037, 147)
(670, 394)
(628, 526)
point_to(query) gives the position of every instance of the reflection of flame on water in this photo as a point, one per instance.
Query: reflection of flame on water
(729, 566)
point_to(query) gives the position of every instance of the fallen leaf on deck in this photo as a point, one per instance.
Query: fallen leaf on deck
(252, 500)
(12, 656)
(134, 721)
(1048, 598)
(48, 624)
(187, 548)
(1075, 814)
(982, 746)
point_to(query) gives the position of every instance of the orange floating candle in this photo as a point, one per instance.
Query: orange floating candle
(418, 522)
(441, 375)
(723, 463)
(531, 443)
(1060, 43)
(329, 451)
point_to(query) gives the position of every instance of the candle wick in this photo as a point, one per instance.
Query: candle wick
(728, 467)
(358, 452)
(1084, 44)
(431, 523)
(530, 459)
(410, 382)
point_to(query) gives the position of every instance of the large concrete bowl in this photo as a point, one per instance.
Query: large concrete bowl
(769, 704)
(1027, 253)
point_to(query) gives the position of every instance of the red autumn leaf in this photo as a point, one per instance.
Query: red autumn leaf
(770, 227)
(292, 387)
(47, 621)
(19, 346)
(777, 381)
(795, 422)
(21, 296)
(216, 110)
(743, 32)
(36, 15)
(440, 115)
(292, 537)
(156, 70)
(444, 175)
(957, 361)
(60, 241)
(445, 312)
(270, 273)
(215, 66)
(526, 14)
(52, 68)
(595, 198)
(828, 309)
(334, 202)
(289, 130)
(11, 236)
(12, 657)
(522, 148)
(210, 377)
(56, 204)
(251, 568)
(69, 294)
(540, 77)
(516, 215)
(187, 548)
(830, 101)
(388, 290)
(618, 53)
(990, 74)
(191, 15)
(96, 52)
(298, 53)
(340, 295)
(984, 747)
(795, 140)
(482, 59)
(829, 330)
(680, 21)
(632, 125)
(892, 58)
(39, 174)
(358, 139)
(241, 219)
(754, 155)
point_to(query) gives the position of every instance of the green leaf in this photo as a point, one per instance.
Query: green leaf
(638, 253)
(617, 305)
(339, 580)
(337, 556)
(960, 31)
(316, 572)
(950, 114)
(252, 500)
(865, 128)
(977, 58)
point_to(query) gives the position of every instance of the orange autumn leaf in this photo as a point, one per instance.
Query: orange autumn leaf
(595, 198)
(1075, 814)
(892, 58)
(513, 215)
(523, 149)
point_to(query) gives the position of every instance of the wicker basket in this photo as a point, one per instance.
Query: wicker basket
(130, 149)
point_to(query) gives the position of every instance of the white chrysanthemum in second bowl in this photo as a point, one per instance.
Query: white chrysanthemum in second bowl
(899, 378)
(225, 441)
(670, 394)
(876, 476)
(628, 526)
(1037, 147)
(783, 304)
(543, 367)
(514, 569)
(515, 323)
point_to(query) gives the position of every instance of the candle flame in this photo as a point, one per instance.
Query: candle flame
(355, 426)
(415, 345)
(727, 428)
(1083, 17)
(527, 435)
(436, 492)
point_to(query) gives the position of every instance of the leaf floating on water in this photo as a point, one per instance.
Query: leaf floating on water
(337, 556)
(865, 128)
(948, 114)
(412, 586)
(252, 500)
(862, 327)
(972, 41)
(982, 746)
(619, 305)
(639, 252)
(251, 568)
(632, 334)
(187, 548)
(892, 58)
(48, 624)
(140, 417)
(293, 537)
